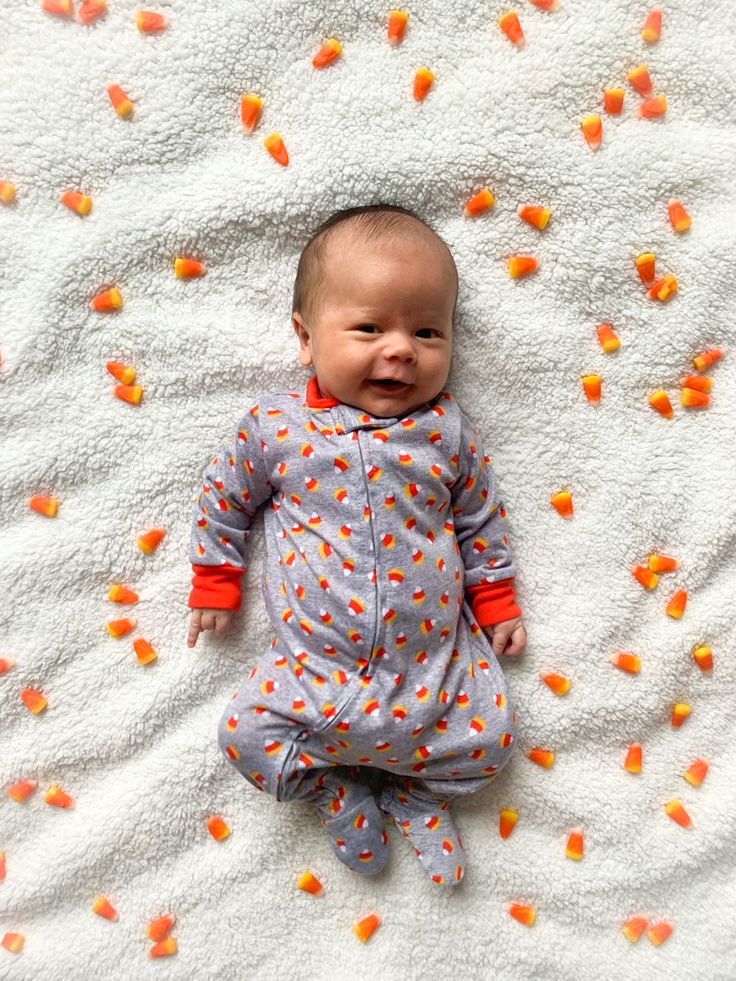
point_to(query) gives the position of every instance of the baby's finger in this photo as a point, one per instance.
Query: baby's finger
(195, 629)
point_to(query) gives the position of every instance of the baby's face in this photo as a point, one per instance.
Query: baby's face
(387, 313)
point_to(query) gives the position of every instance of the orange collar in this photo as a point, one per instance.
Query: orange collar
(315, 398)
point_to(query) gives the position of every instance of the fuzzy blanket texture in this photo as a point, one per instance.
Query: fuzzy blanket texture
(135, 745)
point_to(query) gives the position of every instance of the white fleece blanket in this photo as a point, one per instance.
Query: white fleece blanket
(135, 746)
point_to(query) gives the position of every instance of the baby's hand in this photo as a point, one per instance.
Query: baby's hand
(217, 620)
(507, 630)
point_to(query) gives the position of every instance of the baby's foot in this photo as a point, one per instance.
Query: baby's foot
(431, 830)
(356, 828)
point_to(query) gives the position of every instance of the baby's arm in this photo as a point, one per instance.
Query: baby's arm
(235, 485)
(482, 535)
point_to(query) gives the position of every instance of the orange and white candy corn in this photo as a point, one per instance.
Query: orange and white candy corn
(149, 21)
(661, 563)
(542, 757)
(217, 827)
(89, 10)
(703, 361)
(559, 684)
(128, 393)
(592, 387)
(651, 108)
(157, 929)
(632, 929)
(652, 26)
(524, 914)
(521, 265)
(309, 883)
(48, 506)
(659, 401)
(679, 218)
(76, 201)
(423, 79)
(22, 790)
(658, 933)
(664, 289)
(103, 907)
(676, 606)
(479, 203)
(150, 541)
(507, 822)
(188, 268)
(119, 628)
(365, 927)
(639, 79)
(613, 101)
(626, 661)
(509, 24)
(56, 796)
(13, 942)
(275, 146)
(144, 651)
(562, 503)
(534, 215)
(677, 812)
(703, 657)
(692, 398)
(163, 948)
(646, 577)
(110, 299)
(123, 373)
(696, 772)
(120, 101)
(329, 52)
(592, 127)
(574, 847)
(33, 700)
(396, 26)
(7, 192)
(607, 338)
(60, 8)
(645, 267)
(632, 763)
(250, 111)
(680, 712)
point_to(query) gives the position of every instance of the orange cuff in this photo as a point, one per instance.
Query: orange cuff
(215, 587)
(493, 602)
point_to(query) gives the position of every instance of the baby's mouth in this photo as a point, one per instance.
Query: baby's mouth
(387, 385)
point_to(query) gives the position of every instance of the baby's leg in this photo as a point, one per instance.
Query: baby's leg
(282, 758)
(424, 819)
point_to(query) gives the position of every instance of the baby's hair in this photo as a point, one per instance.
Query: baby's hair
(371, 221)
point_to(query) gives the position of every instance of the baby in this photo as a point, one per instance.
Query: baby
(387, 574)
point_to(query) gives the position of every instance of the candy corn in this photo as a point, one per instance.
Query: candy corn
(521, 265)
(645, 267)
(329, 51)
(122, 372)
(144, 651)
(149, 542)
(606, 338)
(575, 844)
(90, 10)
(694, 399)
(56, 796)
(148, 21)
(103, 908)
(7, 192)
(562, 503)
(646, 577)
(664, 289)
(652, 107)
(119, 628)
(157, 929)
(592, 387)
(275, 146)
(696, 772)
(308, 883)
(613, 101)
(542, 757)
(626, 661)
(111, 299)
(639, 79)
(507, 822)
(659, 933)
(13, 941)
(652, 26)
(659, 401)
(365, 927)
(703, 361)
(632, 763)
(33, 700)
(632, 929)
(677, 812)
(128, 393)
(120, 101)
(423, 79)
(592, 127)
(119, 594)
(703, 657)
(250, 111)
(187, 268)
(699, 382)
(22, 790)
(164, 948)
(661, 563)
(61, 8)
(559, 684)
(479, 203)
(680, 712)
(396, 26)
(81, 203)
(217, 827)
(534, 215)
(6, 663)
(44, 505)
(509, 24)
(524, 914)
(676, 606)
(679, 218)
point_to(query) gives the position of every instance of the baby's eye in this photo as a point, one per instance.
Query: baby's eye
(373, 326)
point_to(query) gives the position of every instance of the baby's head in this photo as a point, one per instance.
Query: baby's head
(374, 298)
